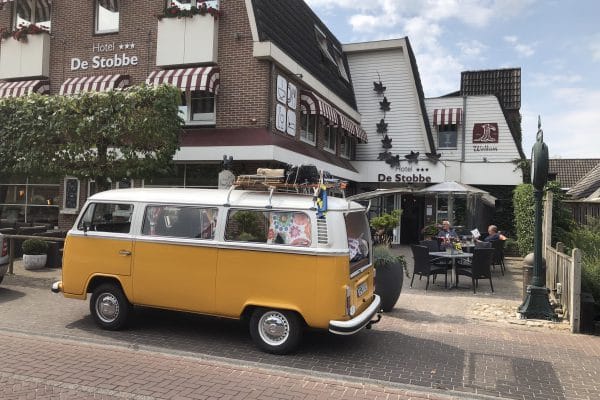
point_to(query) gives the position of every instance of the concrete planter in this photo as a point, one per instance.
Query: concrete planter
(34, 261)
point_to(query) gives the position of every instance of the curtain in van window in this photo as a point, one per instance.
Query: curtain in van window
(291, 228)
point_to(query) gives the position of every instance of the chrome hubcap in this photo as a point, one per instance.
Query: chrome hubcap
(273, 328)
(107, 307)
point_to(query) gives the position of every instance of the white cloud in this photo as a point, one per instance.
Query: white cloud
(471, 48)
(542, 79)
(569, 133)
(521, 48)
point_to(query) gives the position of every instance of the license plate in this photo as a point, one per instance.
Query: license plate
(362, 289)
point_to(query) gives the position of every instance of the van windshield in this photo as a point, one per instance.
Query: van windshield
(357, 229)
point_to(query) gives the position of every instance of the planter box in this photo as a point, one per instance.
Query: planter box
(34, 261)
(187, 40)
(25, 59)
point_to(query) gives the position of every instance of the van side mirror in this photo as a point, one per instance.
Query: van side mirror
(86, 226)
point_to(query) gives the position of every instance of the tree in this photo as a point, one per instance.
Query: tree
(96, 135)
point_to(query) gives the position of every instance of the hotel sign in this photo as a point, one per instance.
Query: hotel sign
(485, 136)
(115, 58)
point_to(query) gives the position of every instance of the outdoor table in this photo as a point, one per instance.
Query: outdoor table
(452, 256)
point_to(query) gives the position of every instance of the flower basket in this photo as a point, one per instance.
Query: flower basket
(23, 31)
(176, 12)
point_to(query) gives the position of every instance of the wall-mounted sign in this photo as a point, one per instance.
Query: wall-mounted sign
(292, 95)
(485, 133)
(71, 195)
(115, 60)
(281, 89)
(407, 174)
(280, 118)
(285, 113)
(291, 122)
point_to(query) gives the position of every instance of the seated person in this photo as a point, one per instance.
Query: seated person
(493, 234)
(446, 235)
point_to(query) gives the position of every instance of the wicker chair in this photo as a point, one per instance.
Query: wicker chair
(424, 267)
(498, 246)
(480, 267)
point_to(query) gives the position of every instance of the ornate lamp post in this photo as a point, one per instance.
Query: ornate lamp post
(537, 304)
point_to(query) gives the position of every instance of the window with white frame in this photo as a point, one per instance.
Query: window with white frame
(107, 16)
(447, 136)
(27, 12)
(308, 127)
(346, 146)
(197, 107)
(339, 60)
(322, 40)
(330, 139)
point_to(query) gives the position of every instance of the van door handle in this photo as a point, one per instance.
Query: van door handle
(124, 253)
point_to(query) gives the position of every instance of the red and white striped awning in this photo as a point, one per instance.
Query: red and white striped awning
(22, 88)
(353, 128)
(313, 104)
(447, 116)
(316, 105)
(200, 78)
(100, 83)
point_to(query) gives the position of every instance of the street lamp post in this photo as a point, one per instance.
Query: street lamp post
(536, 304)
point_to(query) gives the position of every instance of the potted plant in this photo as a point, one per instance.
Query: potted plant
(389, 275)
(34, 253)
(430, 231)
(384, 226)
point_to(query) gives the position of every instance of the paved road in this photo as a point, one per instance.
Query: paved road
(413, 353)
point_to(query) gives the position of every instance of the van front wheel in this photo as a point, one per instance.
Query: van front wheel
(109, 307)
(275, 331)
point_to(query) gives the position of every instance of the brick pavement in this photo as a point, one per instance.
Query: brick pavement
(431, 340)
(43, 368)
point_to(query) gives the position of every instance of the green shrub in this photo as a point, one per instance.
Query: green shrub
(587, 239)
(524, 209)
(511, 247)
(35, 247)
(386, 221)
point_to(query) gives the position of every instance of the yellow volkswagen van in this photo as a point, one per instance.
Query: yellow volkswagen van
(261, 256)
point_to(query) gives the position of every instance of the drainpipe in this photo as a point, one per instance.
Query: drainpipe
(464, 124)
(270, 94)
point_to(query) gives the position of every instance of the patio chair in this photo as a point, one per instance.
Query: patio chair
(498, 246)
(434, 245)
(480, 267)
(424, 267)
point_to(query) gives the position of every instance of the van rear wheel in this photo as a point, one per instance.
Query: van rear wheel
(275, 331)
(109, 307)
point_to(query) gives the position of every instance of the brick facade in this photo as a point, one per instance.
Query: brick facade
(246, 97)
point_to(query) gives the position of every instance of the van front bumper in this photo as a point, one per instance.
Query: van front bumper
(355, 324)
(57, 287)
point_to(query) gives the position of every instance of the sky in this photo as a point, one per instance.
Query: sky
(555, 43)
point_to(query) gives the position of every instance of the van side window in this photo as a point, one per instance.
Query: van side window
(180, 221)
(275, 227)
(107, 217)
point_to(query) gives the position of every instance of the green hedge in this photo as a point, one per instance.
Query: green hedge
(524, 209)
(587, 239)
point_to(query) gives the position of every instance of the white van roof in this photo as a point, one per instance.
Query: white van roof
(218, 197)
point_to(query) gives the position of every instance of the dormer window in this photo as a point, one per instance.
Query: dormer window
(322, 40)
(447, 122)
(339, 60)
(27, 12)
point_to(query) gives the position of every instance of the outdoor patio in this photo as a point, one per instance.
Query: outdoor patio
(438, 304)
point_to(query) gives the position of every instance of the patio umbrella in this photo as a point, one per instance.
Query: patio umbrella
(452, 189)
